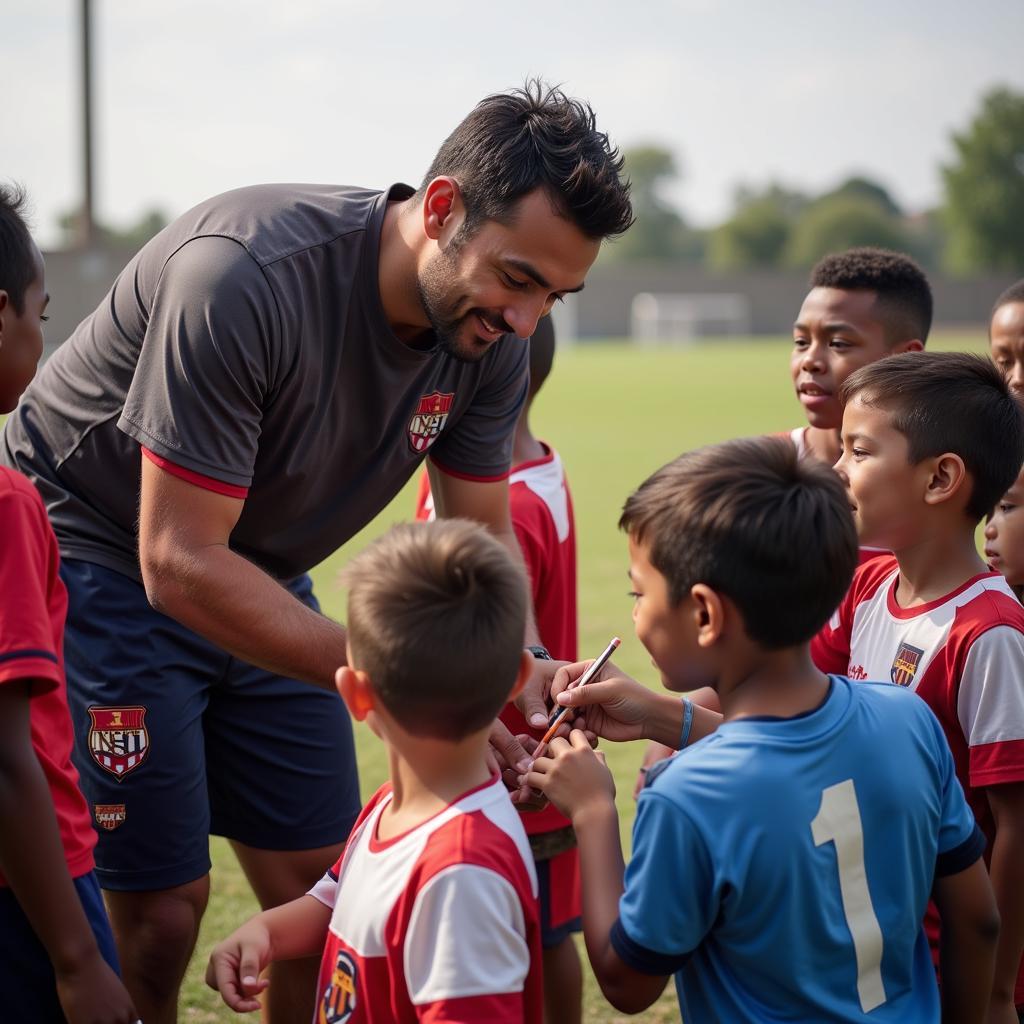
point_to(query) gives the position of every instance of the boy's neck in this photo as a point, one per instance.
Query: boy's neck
(825, 445)
(780, 684)
(525, 447)
(429, 774)
(939, 563)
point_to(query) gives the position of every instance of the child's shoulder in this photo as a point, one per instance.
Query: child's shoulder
(14, 483)
(21, 507)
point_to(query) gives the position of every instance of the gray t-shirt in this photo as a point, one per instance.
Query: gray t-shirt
(246, 343)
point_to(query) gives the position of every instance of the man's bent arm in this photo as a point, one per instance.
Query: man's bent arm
(192, 575)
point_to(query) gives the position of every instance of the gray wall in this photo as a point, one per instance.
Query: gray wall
(78, 281)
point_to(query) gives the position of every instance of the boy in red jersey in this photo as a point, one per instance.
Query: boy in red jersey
(542, 516)
(57, 959)
(430, 913)
(930, 443)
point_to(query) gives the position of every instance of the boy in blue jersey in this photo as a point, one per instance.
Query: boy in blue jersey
(777, 869)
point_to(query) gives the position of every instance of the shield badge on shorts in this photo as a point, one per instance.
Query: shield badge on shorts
(118, 739)
(339, 998)
(905, 664)
(109, 816)
(429, 419)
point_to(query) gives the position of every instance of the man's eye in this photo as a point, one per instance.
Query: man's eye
(513, 282)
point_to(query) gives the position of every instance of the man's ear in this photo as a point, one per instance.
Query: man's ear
(442, 209)
(526, 665)
(356, 691)
(947, 478)
(708, 613)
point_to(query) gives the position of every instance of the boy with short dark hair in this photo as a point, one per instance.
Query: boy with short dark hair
(1006, 336)
(57, 958)
(540, 506)
(776, 868)
(930, 444)
(430, 912)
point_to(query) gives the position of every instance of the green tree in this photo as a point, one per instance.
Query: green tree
(134, 235)
(757, 233)
(984, 207)
(840, 222)
(659, 232)
(859, 187)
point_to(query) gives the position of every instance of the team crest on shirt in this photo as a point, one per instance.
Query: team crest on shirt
(109, 816)
(118, 739)
(429, 419)
(339, 999)
(904, 665)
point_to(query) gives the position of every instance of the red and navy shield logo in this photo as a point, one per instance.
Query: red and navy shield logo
(339, 998)
(904, 665)
(118, 739)
(429, 419)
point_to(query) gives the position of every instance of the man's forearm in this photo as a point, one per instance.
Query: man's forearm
(240, 608)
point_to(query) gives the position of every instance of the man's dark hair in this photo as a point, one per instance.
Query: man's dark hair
(903, 295)
(17, 260)
(751, 520)
(949, 402)
(436, 616)
(536, 137)
(1015, 293)
(542, 354)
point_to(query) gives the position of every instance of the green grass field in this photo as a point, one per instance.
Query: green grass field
(615, 413)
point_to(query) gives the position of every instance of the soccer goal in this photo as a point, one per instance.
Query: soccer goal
(681, 317)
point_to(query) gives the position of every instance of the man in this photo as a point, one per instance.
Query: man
(261, 380)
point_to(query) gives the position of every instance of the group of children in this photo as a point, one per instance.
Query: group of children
(820, 828)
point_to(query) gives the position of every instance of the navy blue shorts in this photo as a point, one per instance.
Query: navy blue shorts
(28, 987)
(175, 739)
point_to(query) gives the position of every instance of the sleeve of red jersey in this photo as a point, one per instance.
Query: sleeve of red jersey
(830, 647)
(534, 532)
(26, 631)
(466, 956)
(990, 706)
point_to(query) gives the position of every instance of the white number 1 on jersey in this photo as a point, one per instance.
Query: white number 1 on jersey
(838, 822)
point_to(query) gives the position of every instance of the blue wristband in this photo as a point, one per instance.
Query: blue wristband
(687, 722)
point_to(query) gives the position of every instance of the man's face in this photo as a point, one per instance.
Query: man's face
(667, 631)
(1007, 341)
(502, 279)
(21, 337)
(885, 490)
(836, 332)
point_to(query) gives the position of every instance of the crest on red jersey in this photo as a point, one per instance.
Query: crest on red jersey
(118, 739)
(109, 816)
(905, 664)
(429, 419)
(339, 998)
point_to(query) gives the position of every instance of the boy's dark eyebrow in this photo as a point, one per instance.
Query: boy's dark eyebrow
(532, 272)
(831, 328)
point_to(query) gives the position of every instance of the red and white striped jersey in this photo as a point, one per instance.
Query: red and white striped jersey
(437, 924)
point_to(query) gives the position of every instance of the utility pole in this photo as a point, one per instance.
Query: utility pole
(86, 223)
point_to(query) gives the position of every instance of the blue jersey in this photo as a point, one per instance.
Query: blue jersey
(781, 867)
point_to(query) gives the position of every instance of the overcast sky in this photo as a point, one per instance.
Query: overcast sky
(197, 96)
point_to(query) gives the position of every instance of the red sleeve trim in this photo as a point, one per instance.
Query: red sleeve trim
(997, 762)
(448, 471)
(506, 1008)
(207, 483)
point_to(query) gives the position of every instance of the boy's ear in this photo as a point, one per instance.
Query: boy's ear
(526, 665)
(914, 345)
(356, 691)
(947, 478)
(709, 614)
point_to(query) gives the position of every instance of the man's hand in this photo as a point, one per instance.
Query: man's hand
(93, 994)
(533, 702)
(235, 965)
(573, 776)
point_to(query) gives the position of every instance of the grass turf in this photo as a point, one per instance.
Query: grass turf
(615, 412)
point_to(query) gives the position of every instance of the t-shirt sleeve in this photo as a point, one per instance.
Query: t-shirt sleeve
(27, 647)
(990, 706)
(479, 445)
(665, 912)
(830, 647)
(466, 955)
(209, 358)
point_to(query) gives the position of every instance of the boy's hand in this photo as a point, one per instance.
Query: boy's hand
(573, 776)
(614, 706)
(235, 965)
(533, 701)
(93, 994)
